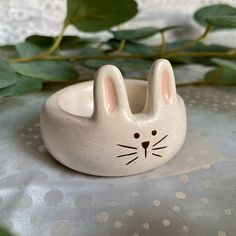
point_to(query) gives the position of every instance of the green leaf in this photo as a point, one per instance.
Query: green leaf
(4, 232)
(7, 75)
(206, 61)
(230, 64)
(221, 76)
(134, 48)
(7, 47)
(27, 49)
(183, 59)
(47, 70)
(181, 43)
(225, 22)
(70, 41)
(8, 51)
(22, 85)
(199, 47)
(93, 15)
(40, 40)
(120, 63)
(135, 33)
(218, 10)
(86, 51)
(168, 28)
(67, 42)
(215, 47)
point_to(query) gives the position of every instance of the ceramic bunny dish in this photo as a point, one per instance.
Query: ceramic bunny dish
(116, 127)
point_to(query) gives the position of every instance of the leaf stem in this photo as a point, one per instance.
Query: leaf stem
(121, 46)
(137, 56)
(45, 54)
(204, 83)
(193, 42)
(57, 42)
(123, 56)
(202, 54)
(163, 43)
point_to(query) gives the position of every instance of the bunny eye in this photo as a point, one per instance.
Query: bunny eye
(136, 135)
(154, 132)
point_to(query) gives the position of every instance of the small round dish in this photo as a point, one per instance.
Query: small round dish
(116, 127)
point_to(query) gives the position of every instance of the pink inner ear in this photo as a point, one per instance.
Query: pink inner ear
(165, 86)
(110, 95)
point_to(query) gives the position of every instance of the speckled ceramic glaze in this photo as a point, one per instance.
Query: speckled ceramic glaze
(116, 127)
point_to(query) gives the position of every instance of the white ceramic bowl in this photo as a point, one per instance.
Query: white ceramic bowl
(116, 127)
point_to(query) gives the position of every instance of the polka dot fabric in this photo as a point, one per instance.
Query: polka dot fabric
(193, 194)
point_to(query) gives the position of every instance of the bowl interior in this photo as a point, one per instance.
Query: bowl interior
(78, 99)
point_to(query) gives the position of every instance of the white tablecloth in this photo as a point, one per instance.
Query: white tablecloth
(193, 194)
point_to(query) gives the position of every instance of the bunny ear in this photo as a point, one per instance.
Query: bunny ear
(109, 92)
(161, 86)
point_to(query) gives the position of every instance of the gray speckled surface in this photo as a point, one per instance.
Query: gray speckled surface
(193, 194)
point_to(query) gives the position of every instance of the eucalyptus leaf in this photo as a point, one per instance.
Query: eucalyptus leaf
(133, 34)
(134, 48)
(198, 47)
(67, 42)
(225, 22)
(203, 15)
(216, 48)
(27, 49)
(140, 33)
(7, 47)
(89, 51)
(7, 75)
(22, 85)
(221, 76)
(84, 51)
(183, 59)
(4, 232)
(168, 28)
(40, 40)
(8, 51)
(93, 15)
(230, 64)
(206, 61)
(122, 64)
(182, 43)
(47, 70)
(70, 41)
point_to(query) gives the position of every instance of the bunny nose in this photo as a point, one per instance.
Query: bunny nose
(145, 144)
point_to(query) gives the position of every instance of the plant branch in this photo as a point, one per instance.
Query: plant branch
(124, 56)
(57, 42)
(163, 42)
(45, 54)
(202, 54)
(188, 84)
(193, 42)
(121, 46)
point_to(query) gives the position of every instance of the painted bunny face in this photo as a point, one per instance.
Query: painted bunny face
(146, 135)
(131, 126)
(148, 148)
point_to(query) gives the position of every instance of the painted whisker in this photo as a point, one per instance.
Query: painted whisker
(131, 161)
(129, 154)
(160, 140)
(125, 146)
(157, 148)
(156, 155)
